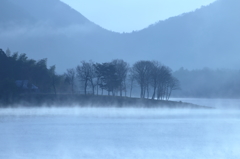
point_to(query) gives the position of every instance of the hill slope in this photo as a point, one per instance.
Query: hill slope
(206, 37)
(11, 13)
(53, 11)
(57, 32)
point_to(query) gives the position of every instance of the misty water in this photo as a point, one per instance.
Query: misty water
(122, 133)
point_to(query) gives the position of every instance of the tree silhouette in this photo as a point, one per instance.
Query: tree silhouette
(121, 68)
(108, 76)
(70, 78)
(86, 74)
(142, 73)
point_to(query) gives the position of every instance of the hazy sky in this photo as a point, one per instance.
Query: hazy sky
(128, 15)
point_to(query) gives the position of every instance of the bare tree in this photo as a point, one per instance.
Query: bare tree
(70, 77)
(121, 71)
(98, 70)
(53, 77)
(173, 84)
(155, 76)
(86, 73)
(142, 73)
(163, 81)
(131, 79)
(92, 76)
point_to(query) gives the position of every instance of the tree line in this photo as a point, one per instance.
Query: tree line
(208, 83)
(117, 78)
(15, 66)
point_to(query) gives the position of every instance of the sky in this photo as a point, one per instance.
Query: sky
(129, 15)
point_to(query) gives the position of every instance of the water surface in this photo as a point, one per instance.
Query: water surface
(119, 133)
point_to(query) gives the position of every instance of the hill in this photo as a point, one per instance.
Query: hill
(11, 13)
(53, 12)
(207, 37)
(57, 32)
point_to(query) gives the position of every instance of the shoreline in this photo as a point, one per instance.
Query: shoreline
(69, 100)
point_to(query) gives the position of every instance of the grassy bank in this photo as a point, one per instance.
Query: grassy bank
(30, 100)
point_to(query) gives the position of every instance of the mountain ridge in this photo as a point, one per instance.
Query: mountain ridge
(202, 38)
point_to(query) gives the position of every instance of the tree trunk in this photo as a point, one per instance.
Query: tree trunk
(72, 88)
(121, 90)
(85, 88)
(154, 92)
(93, 87)
(97, 89)
(141, 94)
(54, 89)
(148, 92)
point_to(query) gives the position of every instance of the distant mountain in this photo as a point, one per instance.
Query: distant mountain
(207, 37)
(51, 29)
(53, 11)
(9, 13)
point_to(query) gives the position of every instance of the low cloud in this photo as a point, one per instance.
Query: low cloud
(45, 29)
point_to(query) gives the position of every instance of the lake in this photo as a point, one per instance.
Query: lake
(122, 133)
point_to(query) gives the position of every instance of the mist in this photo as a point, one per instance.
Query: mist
(192, 38)
(54, 104)
(90, 132)
(45, 29)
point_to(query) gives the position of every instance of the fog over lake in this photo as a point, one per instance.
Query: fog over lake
(72, 89)
(102, 133)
